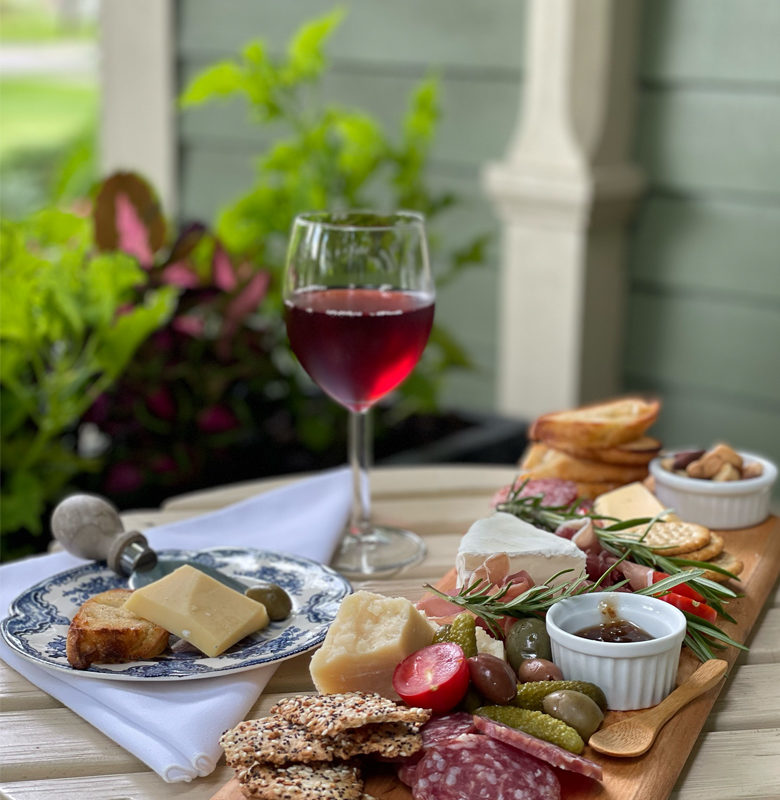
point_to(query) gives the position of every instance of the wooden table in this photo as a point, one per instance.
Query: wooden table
(46, 751)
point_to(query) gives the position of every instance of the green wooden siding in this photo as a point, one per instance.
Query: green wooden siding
(703, 327)
(378, 54)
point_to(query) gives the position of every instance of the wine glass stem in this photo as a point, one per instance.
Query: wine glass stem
(359, 446)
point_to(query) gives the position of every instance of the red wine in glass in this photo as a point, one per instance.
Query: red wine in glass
(359, 301)
(358, 344)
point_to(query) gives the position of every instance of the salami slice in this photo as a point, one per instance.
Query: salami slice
(449, 726)
(435, 732)
(407, 773)
(546, 751)
(554, 491)
(474, 767)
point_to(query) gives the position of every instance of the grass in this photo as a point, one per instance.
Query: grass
(40, 113)
(33, 21)
(41, 121)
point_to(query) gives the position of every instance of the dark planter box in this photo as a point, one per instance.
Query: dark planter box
(473, 439)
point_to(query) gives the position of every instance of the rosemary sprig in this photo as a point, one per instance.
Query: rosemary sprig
(531, 509)
(535, 600)
(702, 636)
(532, 602)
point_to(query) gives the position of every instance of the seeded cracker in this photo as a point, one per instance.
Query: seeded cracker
(328, 714)
(275, 740)
(671, 538)
(316, 781)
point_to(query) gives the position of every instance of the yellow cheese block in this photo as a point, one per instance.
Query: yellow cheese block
(369, 637)
(198, 608)
(629, 502)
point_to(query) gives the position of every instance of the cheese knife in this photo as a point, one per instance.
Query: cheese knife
(90, 527)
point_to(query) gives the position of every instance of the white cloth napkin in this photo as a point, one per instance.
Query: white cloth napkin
(174, 726)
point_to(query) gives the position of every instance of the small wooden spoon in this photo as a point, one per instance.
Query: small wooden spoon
(634, 736)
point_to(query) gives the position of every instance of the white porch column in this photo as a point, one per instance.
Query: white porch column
(137, 126)
(564, 193)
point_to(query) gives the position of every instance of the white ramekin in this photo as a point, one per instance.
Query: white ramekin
(631, 674)
(717, 504)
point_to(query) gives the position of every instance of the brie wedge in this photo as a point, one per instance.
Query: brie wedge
(539, 553)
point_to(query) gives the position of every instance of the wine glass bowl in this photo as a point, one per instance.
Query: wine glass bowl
(359, 305)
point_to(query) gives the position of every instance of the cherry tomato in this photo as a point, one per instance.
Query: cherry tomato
(434, 677)
(691, 606)
(681, 588)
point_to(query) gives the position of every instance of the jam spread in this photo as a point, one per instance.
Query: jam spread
(620, 630)
(613, 629)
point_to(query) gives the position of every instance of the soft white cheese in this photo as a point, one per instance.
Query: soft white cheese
(539, 553)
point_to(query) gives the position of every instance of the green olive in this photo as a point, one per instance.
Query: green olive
(276, 601)
(575, 709)
(527, 638)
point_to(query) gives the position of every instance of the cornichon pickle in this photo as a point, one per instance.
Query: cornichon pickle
(471, 701)
(463, 631)
(536, 723)
(531, 695)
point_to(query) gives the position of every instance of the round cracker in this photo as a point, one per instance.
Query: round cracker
(672, 538)
(727, 561)
(710, 550)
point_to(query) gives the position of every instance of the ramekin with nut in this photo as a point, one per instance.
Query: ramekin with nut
(719, 463)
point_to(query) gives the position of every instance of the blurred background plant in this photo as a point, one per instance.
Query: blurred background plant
(216, 395)
(213, 394)
(72, 319)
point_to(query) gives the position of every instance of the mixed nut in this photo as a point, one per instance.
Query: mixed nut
(719, 463)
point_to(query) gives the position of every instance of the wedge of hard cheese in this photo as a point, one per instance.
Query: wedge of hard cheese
(539, 553)
(198, 608)
(630, 502)
(369, 637)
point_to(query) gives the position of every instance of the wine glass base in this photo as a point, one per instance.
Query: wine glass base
(379, 551)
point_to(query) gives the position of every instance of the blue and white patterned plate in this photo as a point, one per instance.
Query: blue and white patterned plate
(39, 617)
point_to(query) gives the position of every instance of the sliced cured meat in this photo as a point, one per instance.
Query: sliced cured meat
(639, 576)
(407, 773)
(448, 726)
(546, 751)
(474, 767)
(435, 732)
(437, 608)
(554, 491)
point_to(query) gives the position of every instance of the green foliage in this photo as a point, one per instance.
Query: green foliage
(330, 157)
(66, 334)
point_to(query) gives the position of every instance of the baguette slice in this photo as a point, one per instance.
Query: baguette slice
(600, 425)
(544, 462)
(102, 632)
(637, 452)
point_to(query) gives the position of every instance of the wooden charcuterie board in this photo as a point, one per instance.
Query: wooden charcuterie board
(655, 773)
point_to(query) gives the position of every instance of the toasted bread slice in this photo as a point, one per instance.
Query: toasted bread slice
(638, 452)
(545, 462)
(103, 632)
(599, 425)
(591, 490)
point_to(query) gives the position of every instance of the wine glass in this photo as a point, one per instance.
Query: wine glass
(359, 299)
